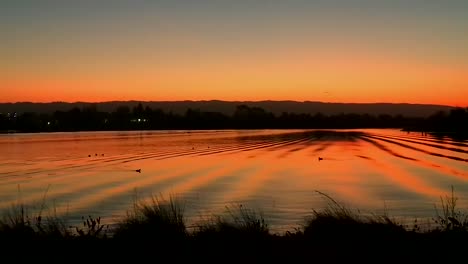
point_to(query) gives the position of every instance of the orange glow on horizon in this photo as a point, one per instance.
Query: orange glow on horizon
(345, 79)
(51, 93)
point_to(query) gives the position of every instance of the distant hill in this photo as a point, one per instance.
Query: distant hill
(228, 107)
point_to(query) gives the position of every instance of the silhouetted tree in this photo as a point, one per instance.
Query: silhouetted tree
(244, 117)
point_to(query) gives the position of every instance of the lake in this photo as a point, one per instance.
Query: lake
(276, 172)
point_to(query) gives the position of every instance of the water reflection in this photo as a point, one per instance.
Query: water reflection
(276, 170)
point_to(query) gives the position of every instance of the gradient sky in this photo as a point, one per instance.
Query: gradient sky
(333, 51)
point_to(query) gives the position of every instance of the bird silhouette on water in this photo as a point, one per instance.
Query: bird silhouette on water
(139, 170)
(319, 158)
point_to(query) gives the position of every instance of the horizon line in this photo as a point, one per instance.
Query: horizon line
(227, 101)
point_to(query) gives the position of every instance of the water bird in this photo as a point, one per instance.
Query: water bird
(139, 170)
(89, 155)
(319, 158)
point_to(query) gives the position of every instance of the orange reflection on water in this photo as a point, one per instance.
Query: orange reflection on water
(430, 158)
(149, 177)
(338, 174)
(396, 174)
(267, 168)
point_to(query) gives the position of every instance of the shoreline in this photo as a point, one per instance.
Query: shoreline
(157, 230)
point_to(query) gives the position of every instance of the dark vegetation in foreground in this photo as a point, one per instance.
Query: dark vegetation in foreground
(157, 231)
(244, 117)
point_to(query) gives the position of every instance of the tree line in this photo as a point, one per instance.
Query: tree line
(244, 117)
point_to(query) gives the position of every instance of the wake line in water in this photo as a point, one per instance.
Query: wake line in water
(247, 148)
(215, 150)
(98, 163)
(292, 150)
(299, 141)
(264, 147)
(95, 163)
(268, 142)
(440, 141)
(418, 149)
(266, 138)
(420, 143)
(384, 148)
(310, 142)
(321, 147)
(425, 164)
(210, 152)
(364, 157)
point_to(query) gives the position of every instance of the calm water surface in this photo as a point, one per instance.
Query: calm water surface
(275, 171)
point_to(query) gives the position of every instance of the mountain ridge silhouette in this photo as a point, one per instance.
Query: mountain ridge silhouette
(228, 107)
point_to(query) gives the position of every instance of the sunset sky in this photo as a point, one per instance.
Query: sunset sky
(411, 51)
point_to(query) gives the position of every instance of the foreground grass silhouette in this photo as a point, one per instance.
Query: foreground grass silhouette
(157, 231)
